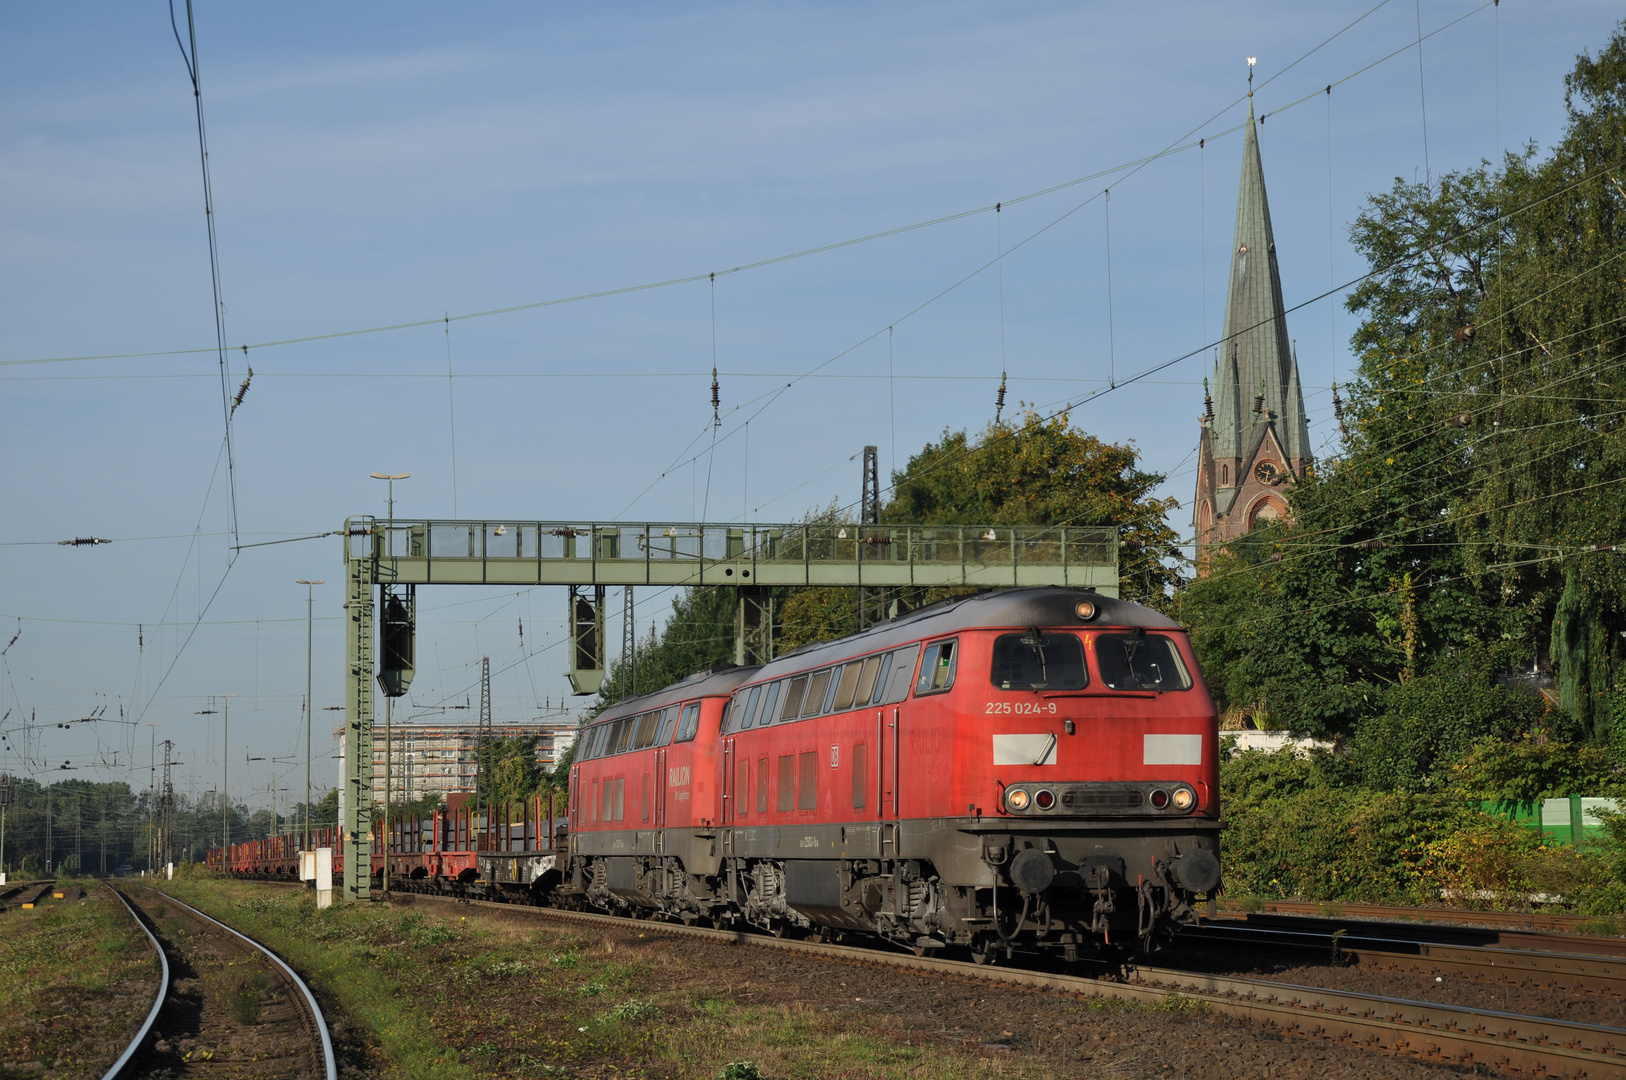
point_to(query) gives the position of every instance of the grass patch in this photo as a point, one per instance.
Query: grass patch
(76, 978)
(433, 993)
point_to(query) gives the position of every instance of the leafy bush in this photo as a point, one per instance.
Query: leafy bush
(740, 1070)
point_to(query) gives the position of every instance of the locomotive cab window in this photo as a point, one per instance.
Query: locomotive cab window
(1140, 662)
(897, 669)
(690, 723)
(744, 716)
(1034, 660)
(937, 670)
(668, 717)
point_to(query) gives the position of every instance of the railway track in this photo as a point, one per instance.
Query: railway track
(224, 1002)
(1427, 1030)
(1383, 947)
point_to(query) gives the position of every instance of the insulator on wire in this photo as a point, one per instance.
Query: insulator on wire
(242, 392)
(999, 399)
(1464, 333)
(716, 400)
(1460, 421)
(1208, 404)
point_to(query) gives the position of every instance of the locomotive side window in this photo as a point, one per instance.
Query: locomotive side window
(644, 734)
(623, 732)
(793, 698)
(1140, 662)
(807, 781)
(866, 680)
(937, 670)
(893, 685)
(1038, 661)
(860, 775)
(787, 782)
(846, 687)
(690, 723)
(813, 705)
(762, 785)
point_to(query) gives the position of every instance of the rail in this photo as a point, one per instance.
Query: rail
(330, 1064)
(118, 1069)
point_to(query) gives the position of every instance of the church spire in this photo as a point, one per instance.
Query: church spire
(1258, 437)
(1256, 322)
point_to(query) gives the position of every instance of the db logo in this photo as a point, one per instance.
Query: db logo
(835, 757)
(678, 776)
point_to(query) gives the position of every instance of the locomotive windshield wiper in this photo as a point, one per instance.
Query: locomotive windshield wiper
(1034, 640)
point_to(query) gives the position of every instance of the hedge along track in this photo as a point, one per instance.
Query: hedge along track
(203, 1058)
(1445, 1033)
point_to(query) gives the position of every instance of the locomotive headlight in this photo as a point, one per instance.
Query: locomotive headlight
(1016, 799)
(1085, 609)
(1183, 798)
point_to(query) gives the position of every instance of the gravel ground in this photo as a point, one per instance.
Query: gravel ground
(1026, 1032)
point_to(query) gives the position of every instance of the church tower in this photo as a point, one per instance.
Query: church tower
(1255, 440)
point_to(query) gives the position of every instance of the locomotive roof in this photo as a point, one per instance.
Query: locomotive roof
(714, 682)
(1042, 607)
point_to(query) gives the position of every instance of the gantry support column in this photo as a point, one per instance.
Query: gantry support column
(358, 726)
(753, 626)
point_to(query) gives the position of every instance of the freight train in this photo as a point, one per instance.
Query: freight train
(1028, 770)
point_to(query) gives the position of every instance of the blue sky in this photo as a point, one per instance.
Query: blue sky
(379, 164)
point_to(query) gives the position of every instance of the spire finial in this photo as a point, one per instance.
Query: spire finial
(1252, 60)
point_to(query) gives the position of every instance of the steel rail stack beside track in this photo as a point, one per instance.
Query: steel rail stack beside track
(1516, 920)
(1580, 970)
(120, 1067)
(1416, 1028)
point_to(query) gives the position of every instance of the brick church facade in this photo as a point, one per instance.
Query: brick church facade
(1255, 439)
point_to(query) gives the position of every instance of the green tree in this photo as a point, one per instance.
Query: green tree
(1483, 455)
(1032, 471)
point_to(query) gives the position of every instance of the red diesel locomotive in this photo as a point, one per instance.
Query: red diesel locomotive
(1023, 770)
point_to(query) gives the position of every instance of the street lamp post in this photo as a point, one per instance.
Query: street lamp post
(389, 750)
(309, 705)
